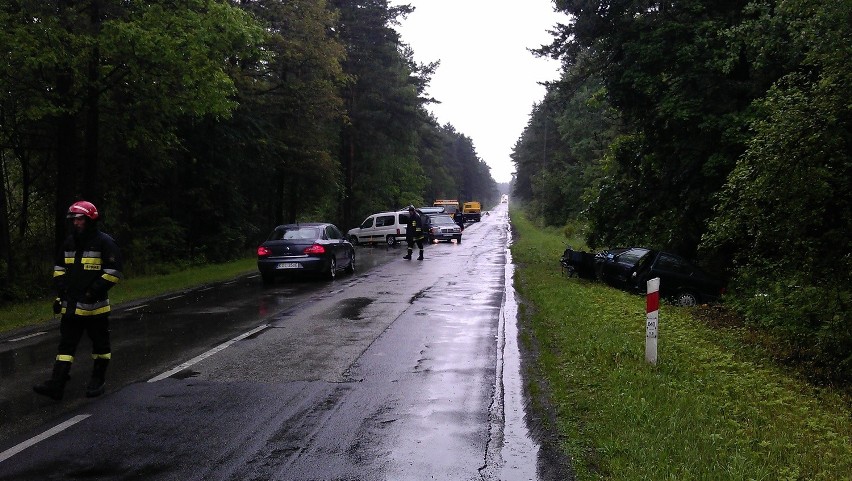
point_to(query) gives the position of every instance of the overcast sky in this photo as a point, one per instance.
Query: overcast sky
(488, 80)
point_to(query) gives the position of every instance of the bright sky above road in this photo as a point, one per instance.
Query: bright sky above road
(488, 80)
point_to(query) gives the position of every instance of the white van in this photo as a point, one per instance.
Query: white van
(386, 227)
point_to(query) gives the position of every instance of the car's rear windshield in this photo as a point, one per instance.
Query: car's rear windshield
(631, 256)
(294, 233)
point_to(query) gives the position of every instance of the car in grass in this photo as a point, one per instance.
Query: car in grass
(317, 248)
(681, 281)
(441, 227)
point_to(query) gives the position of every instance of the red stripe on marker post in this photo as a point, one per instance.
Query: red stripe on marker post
(652, 302)
(652, 319)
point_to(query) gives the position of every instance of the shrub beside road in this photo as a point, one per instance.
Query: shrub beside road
(37, 311)
(715, 407)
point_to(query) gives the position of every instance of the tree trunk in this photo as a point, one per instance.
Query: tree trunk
(348, 151)
(279, 198)
(91, 187)
(293, 197)
(8, 274)
(65, 147)
(67, 165)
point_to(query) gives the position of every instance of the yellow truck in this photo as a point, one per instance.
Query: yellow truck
(472, 211)
(451, 206)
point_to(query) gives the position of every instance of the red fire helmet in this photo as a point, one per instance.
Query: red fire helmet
(83, 208)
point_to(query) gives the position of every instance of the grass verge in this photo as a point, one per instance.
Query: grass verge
(35, 312)
(714, 408)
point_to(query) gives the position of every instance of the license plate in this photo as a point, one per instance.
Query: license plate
(288, 265)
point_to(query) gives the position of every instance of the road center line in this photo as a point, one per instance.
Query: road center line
(207, 354)
(41, 437)
(40, 333)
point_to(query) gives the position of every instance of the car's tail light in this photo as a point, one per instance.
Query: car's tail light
(263, 251)
(315, 250)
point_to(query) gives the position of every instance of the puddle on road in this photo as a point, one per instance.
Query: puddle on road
(512, 451)
(520, 451)
(352, 308)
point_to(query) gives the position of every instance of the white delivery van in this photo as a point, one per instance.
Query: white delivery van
(386, 227)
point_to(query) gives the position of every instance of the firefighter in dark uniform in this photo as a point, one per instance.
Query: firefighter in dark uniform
(414, 233)
(87, 266)
(458, 218)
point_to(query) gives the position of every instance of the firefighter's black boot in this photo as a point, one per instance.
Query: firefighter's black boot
(420, 258)
(55, 386)
(96, 384)
(408, 256)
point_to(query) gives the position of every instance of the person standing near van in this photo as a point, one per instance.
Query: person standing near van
(414, 233)
(87, 266)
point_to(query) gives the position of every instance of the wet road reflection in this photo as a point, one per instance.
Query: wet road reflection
(405, 370)
(149, 336)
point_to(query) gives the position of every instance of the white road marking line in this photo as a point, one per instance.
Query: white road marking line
(207, 354)
(173, 298)
(41, 437)
(137, 307)
(27, 337)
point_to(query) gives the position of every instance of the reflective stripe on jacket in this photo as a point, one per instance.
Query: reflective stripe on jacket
(86, 268)
(414, 228)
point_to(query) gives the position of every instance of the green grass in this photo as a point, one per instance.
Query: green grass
(133, 288)
(713, 408)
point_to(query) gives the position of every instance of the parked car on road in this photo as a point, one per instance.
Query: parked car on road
(317, 248)
(388, 227)
(441, 227)
(680, 280)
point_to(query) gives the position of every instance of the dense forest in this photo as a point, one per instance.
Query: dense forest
(197, 126)
(716, 129)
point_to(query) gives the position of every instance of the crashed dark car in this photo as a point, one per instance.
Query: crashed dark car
(681, 281)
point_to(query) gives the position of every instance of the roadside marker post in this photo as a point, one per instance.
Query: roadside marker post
(652, 319)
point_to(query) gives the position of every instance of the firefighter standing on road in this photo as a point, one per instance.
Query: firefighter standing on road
(414, 233)
(458, 218)
(87, 266)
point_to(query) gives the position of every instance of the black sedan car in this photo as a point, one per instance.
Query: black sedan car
(316, 247)
(680, 281)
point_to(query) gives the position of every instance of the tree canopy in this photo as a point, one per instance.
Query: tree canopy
(198, 126)
(726, 128)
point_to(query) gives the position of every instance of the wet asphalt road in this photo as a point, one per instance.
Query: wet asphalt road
(405, 370)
